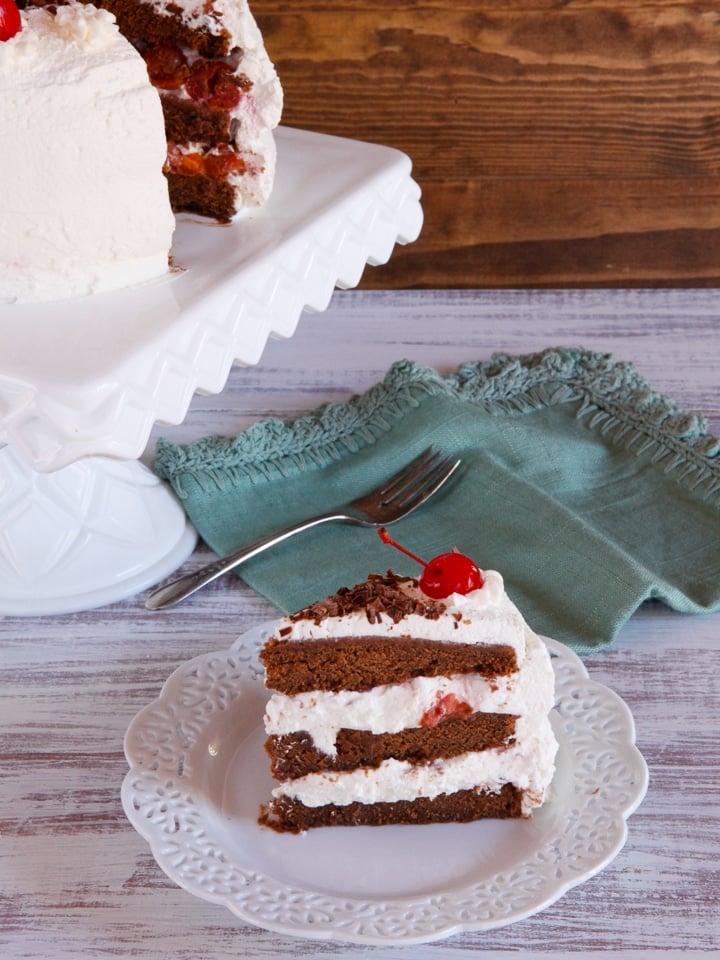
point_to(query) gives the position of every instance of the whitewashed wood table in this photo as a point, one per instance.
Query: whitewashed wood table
(76, 880)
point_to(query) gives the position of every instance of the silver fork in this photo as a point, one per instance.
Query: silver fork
(395, 498)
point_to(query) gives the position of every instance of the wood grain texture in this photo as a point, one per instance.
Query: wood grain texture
(77, 882)
(556, 144)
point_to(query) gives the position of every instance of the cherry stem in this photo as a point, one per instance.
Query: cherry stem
(386, 538)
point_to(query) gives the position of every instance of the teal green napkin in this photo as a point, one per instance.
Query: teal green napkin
(589, 491)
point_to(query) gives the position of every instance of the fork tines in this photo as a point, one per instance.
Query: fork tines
(422, 477)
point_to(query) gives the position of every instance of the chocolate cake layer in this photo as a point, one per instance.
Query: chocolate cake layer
(286, 815)
(201, 195)
(361, 663)
(186, 121)
(142, 20)
(295, 755)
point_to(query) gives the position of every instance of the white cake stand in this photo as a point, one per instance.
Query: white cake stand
(82, 522)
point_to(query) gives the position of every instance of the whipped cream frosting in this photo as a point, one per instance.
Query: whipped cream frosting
(528, 764)
(85, 202)
(394, 707)
(483, 616)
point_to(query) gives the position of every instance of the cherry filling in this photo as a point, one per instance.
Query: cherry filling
(167, 67)
(209, 82)
(213, 84)
(217, 165)
(444, 707)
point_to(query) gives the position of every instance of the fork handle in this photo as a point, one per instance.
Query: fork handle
(177, 590)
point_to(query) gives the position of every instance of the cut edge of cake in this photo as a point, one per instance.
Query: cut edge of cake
(220, 94)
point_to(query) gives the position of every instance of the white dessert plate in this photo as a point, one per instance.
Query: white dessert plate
(198, 774)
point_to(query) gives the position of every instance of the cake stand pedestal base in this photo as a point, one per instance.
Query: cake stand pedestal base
(93, 533)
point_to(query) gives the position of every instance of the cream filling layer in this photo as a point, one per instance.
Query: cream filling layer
(528, 764)
(394, 707)
(484, 616)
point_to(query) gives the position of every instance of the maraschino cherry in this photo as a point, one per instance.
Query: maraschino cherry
(445, 574)
(10, 22)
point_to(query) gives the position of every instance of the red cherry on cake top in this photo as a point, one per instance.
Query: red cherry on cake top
(450, 573)
(10, 22)
(445, 574)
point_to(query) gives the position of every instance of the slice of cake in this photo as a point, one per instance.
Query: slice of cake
(85, 206)
(393, 706)
(220, 94)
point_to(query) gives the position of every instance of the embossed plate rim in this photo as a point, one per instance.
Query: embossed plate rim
(604, 781)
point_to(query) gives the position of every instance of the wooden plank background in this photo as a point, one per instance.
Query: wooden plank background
(557, 142)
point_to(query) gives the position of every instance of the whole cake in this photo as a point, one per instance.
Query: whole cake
(113, 118)
(396, 706)
(85, 205)
(220, 94)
